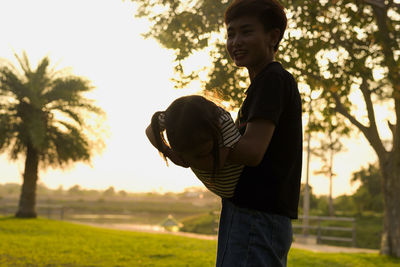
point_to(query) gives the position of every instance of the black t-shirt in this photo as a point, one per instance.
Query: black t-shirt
(274, 185)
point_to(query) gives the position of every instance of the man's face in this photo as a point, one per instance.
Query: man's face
(248, 44)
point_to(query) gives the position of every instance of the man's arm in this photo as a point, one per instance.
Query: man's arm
(251, 147)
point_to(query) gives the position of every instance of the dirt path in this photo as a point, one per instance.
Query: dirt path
(160, 230)
(147, 229)
(332, 249)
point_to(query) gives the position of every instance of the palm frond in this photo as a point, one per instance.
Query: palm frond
(89, 106)
(41, 70)
(65, 127)
(38, 82)
(86, 105)
(67, 90)
(9, 125)
(25, 64)
(77, 112)
(6, 133)
(17, 147)
(11, 84)
(66, 147)
(75, 116)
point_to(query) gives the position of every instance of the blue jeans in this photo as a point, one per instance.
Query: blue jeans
(252, 238)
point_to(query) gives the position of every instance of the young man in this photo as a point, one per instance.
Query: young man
(255, 226)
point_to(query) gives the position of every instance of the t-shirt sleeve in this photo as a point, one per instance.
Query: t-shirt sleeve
(267, 100)
(230, 133)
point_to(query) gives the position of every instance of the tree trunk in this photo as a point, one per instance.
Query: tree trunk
(27, 200)
(331, 210)
(331, 148)
(390, 242)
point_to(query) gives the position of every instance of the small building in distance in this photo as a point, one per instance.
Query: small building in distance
(171, 224)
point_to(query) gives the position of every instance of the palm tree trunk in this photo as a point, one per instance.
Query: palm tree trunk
(27, 201)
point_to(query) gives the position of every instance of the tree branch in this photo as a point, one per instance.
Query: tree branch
(377, 3)
(396, 128)
(364, 88)
(342, 110)
(370, 133)
(391, 127)
(386, 41)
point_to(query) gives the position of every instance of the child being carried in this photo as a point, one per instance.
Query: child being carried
(199, 135)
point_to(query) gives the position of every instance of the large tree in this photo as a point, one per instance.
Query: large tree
(338, 48)
(353, 41)
(42, 118)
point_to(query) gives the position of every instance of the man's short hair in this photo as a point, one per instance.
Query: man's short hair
(270, 13)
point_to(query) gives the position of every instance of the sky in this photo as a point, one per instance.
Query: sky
(101, 40)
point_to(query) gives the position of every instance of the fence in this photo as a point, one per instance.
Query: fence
(320, 231)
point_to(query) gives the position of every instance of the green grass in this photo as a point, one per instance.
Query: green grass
(369, 230)
(304, 258)
(41, 242)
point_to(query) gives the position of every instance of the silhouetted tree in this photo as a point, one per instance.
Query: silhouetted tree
(109, 192)
(330, 144)
(42, 117)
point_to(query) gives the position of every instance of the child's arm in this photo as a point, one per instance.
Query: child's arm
(251, 147)
(167, 151)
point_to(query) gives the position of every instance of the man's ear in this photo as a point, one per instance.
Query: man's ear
(275, 34)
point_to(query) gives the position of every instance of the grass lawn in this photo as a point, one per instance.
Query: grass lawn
(41, 242)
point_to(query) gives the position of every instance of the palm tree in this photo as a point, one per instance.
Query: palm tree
(42, 115)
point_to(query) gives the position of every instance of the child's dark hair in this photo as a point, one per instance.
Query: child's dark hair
(269, 12)
(189, 120)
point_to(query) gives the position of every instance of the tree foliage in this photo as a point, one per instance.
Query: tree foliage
(369, 196)
(346, 51)
(188, 27)
(313, 197)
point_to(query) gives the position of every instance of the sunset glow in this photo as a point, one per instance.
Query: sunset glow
(101, 40)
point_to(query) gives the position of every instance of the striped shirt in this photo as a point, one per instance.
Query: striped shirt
(224, 182)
